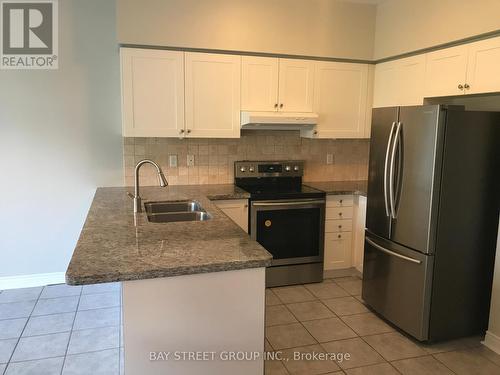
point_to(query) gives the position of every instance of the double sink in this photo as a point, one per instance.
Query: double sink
(172, 211)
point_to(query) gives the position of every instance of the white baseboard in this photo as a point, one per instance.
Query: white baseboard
(492, 341)
(27, 281)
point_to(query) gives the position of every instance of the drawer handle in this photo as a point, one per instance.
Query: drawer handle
(340, 213)
(339, 236)
(340, 226)
(340, 201)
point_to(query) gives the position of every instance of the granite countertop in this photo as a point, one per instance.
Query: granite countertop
(115, 247)
(340, 187)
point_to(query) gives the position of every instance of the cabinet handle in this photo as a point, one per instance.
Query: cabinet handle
(466, 86)
(189, 131)
(339, 236)
(340, 201)
(281, 105)
(340, 213)
(275, 105)
(460, 86)
(340, 226)
(315, 132)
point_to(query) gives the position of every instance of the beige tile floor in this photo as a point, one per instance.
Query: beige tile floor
(330, 317)
(73, 330)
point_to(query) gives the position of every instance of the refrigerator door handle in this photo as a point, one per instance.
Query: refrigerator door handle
(386, 167)
(392, 253)
(392, 198)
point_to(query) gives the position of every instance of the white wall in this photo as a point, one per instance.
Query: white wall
(328, 28)
(60, 138)
(408, 25)
(492, 339)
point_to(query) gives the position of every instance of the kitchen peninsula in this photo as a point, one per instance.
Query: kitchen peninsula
(187, 286)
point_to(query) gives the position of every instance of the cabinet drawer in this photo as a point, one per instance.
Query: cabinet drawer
(334, 226)
(338, 251)
(333, 213)
(339, 200)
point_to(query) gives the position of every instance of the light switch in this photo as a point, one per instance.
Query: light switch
(190, 160)
(172, 161)
(329, 158)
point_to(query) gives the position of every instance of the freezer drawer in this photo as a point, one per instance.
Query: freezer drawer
(396, 284)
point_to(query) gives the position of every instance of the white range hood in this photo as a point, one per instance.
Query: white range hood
(278, 120)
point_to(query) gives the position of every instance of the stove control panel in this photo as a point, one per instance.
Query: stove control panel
(274, 168)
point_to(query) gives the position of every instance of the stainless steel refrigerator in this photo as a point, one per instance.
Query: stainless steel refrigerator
(432, 219)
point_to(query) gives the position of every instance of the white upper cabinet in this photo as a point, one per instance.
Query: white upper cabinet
(445, 73)
(483, 72)
(212, 95)
(259, 83)
(340, 100)
(296, 85)
(399, 82)
(152, 92)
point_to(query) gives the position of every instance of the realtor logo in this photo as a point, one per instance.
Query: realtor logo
(29, 34)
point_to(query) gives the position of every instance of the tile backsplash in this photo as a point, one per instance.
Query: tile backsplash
(214, 158)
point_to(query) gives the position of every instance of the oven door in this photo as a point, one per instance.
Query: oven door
(293, 231)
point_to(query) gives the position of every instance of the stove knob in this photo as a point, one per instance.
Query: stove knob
(296, 168)
(251, 169)
(288, 168)
(242, 169)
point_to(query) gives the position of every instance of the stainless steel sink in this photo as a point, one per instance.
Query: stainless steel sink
(176, 206)
(167, 212)
(179, 216)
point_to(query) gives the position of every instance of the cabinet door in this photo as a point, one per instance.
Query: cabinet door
(340, 93)
(152, 92)
(296, 84)
(213, 84)
(359, 221)
(399, 82)
(259, 83)
(338, 251)
(484, 66)
(445, 72)
(236, 210)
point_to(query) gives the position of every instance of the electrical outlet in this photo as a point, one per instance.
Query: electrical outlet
(329, 158)
(190, 160)
(172, 161)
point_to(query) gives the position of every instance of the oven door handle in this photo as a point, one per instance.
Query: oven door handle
(294, 203)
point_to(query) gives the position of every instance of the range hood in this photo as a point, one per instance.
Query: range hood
(278, 120)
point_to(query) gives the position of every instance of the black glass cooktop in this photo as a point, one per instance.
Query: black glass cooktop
(281, 191)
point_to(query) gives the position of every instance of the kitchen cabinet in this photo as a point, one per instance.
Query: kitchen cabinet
(259, 83)
(399, 82)
(338, 232)
(340, 100)
(338, 250)
(152, 92)
(359, 220)
(296, 84)
(273, 84)
(483, 66)
(236, 210)
(212, 95)
(446, 71)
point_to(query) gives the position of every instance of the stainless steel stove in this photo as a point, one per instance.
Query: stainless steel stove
(286, 217)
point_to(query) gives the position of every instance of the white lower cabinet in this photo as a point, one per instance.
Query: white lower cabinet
(344, 231)
(338, 231)
(338, 250)
(358, 241)
(236, 210)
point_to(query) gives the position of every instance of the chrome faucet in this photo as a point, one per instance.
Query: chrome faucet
(161, 179)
